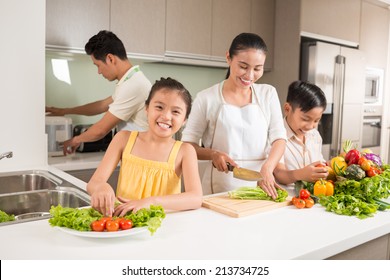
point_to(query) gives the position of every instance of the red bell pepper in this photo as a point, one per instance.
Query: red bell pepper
(352, 157)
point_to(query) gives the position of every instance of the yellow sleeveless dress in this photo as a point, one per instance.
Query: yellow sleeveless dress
(140, 178)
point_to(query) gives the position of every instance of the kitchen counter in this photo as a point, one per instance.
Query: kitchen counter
(280, 234)
(77, 161)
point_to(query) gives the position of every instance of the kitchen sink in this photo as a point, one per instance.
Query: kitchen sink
(29, 195)
(28, 181)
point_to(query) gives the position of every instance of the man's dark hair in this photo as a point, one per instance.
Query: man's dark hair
(103, 43)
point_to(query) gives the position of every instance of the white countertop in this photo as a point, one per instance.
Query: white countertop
(77, 161)
(280, 234)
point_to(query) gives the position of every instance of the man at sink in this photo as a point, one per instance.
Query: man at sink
(125, 108)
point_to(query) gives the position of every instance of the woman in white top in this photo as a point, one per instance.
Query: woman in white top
(238, 122)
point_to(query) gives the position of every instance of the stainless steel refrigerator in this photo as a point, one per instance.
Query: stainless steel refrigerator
(340, 72)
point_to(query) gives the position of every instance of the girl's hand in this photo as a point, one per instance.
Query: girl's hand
(103, 200)
(131, 205)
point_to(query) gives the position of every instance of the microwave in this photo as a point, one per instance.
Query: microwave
(374, 86)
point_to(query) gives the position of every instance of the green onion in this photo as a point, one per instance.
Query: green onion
(256, 193)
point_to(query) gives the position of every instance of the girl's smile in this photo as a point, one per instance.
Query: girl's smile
(166, 113)
(164, 125)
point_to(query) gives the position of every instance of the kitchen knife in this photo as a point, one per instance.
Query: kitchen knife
(244, 174)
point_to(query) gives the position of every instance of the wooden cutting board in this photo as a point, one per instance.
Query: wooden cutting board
(239, 207)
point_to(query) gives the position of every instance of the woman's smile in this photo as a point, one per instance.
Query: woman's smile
(246, 82)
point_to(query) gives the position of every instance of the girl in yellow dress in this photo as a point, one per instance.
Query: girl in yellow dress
(152, 162)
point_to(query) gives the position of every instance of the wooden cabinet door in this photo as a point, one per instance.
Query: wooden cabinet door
(374, 34)
(263, 24)
(332, 18)
(188, 27)
(70, 23)
(140, 25)
(229, 18)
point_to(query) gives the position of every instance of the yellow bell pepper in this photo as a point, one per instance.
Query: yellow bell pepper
(320, 188)
(338, 165)
(329, 188)
(323, 187)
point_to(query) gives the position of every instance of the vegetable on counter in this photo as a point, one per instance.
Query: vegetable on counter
(338, 164)
(354, 172)
(4, 217)
(323, 187)
(352, 157)
(304, 194)
(304, 200)
(298, 202)
(348, 205)
(256, 193)
(354, 193)
(320, 187)
(374, 158)
(360, 198)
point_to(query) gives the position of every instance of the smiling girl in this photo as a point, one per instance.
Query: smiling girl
(303, 156)
(152, 162)
(238, 121)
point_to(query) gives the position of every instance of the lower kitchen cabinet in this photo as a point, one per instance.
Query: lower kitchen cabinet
(376, 249)
(86, 174)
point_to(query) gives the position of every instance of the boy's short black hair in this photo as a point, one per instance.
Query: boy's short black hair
(305, 96)
(103, 43)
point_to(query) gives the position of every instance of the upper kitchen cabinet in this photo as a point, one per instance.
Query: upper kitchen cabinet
(188, 29)
(263, 24)
(140, 25)
(205, 28)
(230, 18)
(374, 34)
(71, 23)
(332, 18)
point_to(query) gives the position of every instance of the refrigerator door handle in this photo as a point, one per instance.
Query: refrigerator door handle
(338, 96)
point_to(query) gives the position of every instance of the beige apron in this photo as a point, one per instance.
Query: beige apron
(242, 133)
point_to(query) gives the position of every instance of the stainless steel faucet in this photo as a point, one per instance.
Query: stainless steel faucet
(6, 155)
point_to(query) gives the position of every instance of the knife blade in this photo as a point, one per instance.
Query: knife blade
(244, 174)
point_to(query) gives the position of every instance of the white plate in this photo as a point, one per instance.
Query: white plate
(104, 234)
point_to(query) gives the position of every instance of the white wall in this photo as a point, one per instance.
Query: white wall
(22, 84)
(286, 47)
